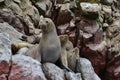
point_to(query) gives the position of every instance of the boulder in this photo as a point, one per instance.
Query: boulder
(5, 55)
(3, 77)
(52, 72)
(112, 71)
(73, 76)
(7, 16)
(25, 68)
(44, 6)
(84, 67)
(14, 35)
(90, 10)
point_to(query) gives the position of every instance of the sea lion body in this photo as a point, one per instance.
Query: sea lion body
(63, 56)
(72, 57)
(49, 47)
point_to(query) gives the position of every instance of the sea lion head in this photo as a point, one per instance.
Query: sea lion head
(46, 24)
(63, 39)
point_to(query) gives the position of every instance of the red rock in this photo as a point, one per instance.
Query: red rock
(113, 70)
(25, 68)
(72, 36)
(3, 77)
(98, 59)
(64, 17)
(90, 26)
(4, 67)
(62, 28)
(91, 45)
(98, 36)
(5, 53)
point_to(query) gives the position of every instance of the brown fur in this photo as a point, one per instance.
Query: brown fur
(72, 56)
(16, 46)
(63, 56)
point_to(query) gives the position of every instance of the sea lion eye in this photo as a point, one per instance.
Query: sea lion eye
(46, 21)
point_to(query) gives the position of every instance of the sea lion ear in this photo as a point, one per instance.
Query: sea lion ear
(41, 17)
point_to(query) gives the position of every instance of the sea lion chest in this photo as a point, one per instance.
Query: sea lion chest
(50, 48)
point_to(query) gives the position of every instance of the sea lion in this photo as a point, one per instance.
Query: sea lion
(63, 56)
(72, 56)
(16, 46)
(69, 44)
(66, 45)
(49, 48)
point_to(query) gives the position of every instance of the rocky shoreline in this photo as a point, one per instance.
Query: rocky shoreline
(92, 26)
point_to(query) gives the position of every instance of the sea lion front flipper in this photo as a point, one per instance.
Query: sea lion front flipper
(62, 66)
(65, 68)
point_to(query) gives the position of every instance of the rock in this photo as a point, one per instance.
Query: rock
(86, 35)
(107, 12)
(5, 55)
(84, 67)
(97, 47)
(31, 15)
(73, 76)
(14, 35)
(98, 59)
(89, 10)
(7, 16)
(3, 77)
(52, 72)
(65, 22)
(107, 2)
(1, 3)
(15, 9)
(117, 4)
(31, 11)
(113, 33)
(28, 18)
(33, 39)
(1, 0)
(107, 9)
(90, 34)
(88, 26)
(112, 70)
(64, 15)
(17, 1)
(105, 26)
(25, 68)
(44, 6)
(62, 28)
